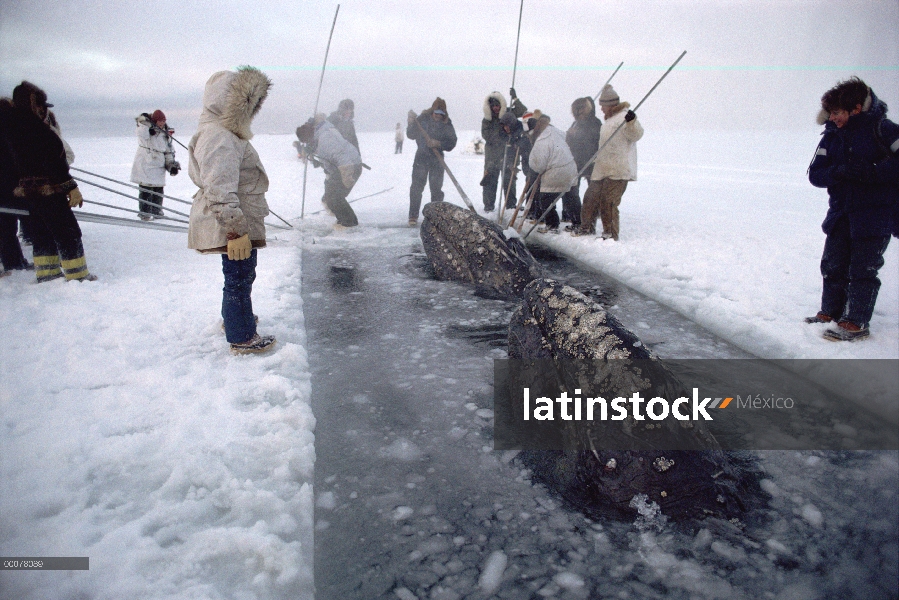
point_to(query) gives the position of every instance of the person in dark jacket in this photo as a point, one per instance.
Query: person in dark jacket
(47, 187)
(496, 144)
(583, 140)
(856, 161)
(519, 143)
(432, 131)
(10, 250)
(342, 119)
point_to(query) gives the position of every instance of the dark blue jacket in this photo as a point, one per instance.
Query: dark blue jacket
(872, 207)
(442, 131)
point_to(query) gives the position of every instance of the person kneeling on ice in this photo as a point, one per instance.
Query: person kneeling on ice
(229, 208)
(857, 162)
(340, 159)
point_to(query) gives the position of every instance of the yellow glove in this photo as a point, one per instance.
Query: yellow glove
(75, 198)
(240, 248)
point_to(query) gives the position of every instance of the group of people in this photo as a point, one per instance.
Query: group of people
(857, 161)
(553, 163)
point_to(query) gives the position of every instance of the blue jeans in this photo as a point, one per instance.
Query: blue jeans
(237, 307)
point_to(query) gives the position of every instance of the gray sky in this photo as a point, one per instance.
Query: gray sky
(749, 64)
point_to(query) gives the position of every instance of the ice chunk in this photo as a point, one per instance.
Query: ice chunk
(401, 512)
(404, 594)
(326, 501)
(492, 573)
(811, 514)
(568, 580)
(401, 449)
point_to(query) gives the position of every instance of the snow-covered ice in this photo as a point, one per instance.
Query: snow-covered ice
(132, 436)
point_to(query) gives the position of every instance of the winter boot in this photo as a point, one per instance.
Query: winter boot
(819, 318)
(255, 345)
(846, 331)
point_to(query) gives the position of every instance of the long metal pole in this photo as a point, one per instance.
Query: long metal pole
(607, 81)
(315, 110)
(71, 168)
(102, 187)
(517, 38)
(606, 143)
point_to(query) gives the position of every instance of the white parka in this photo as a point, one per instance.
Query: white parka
(153, 151)
(551, 157)
(618, 160)
(225, 166)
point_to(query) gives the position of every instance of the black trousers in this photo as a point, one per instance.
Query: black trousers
(57, 239)
(849, 267)
(146, 197)
(425, 171)
(10, 250)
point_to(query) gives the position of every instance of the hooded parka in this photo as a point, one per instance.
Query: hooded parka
(225, 166)
(867, 137)
(551, 157)
(154, 151)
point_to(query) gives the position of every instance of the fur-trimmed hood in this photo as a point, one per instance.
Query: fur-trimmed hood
(872, 104)
(232, 99)
(488, 115)
(618, 108)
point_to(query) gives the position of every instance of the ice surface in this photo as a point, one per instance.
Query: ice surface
(132, 436)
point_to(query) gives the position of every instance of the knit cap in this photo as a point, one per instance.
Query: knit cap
(608, 97)
(158, 116)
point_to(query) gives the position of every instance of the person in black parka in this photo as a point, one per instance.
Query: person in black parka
(47, 187)
(856, 161)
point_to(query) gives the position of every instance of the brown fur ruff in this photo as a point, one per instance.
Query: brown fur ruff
(248, 91)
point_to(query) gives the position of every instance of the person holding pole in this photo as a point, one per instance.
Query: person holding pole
(434, 134)
(519, 145)
(857, 160)
(496, 145)
(227, 213)
(341, 162)
(583, 139)
(614, 166)
(155, 155)
(552, 160)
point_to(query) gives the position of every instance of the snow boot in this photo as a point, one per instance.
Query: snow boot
(819, 318)
(846, 331)
(255, 345)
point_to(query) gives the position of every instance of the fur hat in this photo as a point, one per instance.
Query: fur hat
(346, 104)
(158, 116)
(27, 96)
(439, 104)
(608, 97)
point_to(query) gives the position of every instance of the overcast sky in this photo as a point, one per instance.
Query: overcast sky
(753, 64)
